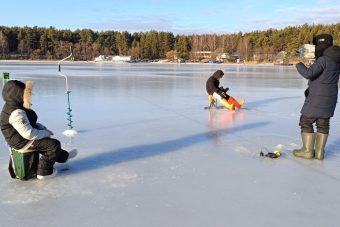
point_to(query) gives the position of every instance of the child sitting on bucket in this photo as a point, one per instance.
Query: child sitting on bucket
(22, 132)
(220, 93)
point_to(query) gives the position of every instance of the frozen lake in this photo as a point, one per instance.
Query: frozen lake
(151, 155)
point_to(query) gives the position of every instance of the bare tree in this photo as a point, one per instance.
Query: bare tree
(22, 48)
(244, 48)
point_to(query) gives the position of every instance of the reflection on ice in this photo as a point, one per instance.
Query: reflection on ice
(225, 118)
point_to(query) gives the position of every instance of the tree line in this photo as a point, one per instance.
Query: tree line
(51, 43)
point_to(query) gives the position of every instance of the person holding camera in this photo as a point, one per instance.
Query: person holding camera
(220, 93)
(321, 97)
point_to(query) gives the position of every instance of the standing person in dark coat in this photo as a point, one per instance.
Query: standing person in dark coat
(220, 93)
(22, 132)
(321, 97)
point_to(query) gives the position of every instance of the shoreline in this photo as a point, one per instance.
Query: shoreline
(162, 63)
(43, 61)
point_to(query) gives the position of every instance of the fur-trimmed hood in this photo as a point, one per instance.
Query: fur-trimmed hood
(16, 93)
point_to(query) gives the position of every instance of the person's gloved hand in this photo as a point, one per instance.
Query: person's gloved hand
(224, 89)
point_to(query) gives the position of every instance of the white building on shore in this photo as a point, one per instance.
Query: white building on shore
(307, 51)
(115, 59)
(118, 58)
(103, 58)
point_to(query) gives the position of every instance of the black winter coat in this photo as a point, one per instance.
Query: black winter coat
(323, 77)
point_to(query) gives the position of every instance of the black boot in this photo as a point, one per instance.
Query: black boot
(307, 150)
(320, 143)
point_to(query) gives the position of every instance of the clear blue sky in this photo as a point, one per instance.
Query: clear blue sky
(180, 17)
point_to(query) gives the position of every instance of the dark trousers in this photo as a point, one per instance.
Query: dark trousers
(306, 123)
(51, 152)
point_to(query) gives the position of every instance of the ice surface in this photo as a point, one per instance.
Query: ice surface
(151, 155)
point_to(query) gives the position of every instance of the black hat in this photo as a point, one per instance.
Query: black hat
(322, 42)
(323, 39)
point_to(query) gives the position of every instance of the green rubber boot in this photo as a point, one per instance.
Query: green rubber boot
(307, 150)
(320, 143)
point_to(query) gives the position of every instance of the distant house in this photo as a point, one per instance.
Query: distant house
(114, 59)
(203, 54)
(118, 58)
(228, 58)
(103, 58)
(222, 57)
(235, 58)
(307, 51)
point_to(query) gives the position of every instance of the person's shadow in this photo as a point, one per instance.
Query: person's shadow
(332, 149)
(112, 157)
(264, 102)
